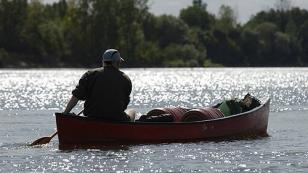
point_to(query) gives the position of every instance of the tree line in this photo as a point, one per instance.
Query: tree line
(75, 33)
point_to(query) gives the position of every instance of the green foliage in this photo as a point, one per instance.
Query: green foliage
(75, 33)
(226, 18)
(303, 39)
(53, 39)
(170, 30)
(250, 45)
(130, 33)
(222, 49)
(150, 55)
(209, 63)
(176, 55)
(12, 17)
(4, 56)
(197, 16)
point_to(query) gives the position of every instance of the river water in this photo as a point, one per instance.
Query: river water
(29, 98)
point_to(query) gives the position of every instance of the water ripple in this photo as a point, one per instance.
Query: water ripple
(50, 89)
(29, 98)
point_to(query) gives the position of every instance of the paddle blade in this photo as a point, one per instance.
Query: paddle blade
(41, 141)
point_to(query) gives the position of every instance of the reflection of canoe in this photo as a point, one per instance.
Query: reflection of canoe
(83, 132)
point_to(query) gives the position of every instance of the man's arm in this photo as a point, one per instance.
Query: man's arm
(71, 104)
(128, 91)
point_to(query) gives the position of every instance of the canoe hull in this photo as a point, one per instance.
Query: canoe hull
(83, 132)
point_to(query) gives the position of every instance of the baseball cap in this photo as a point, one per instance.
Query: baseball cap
(112, 55)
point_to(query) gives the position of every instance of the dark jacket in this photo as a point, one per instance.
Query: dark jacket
(106, 93)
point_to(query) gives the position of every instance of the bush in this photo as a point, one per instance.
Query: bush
(209, 63)
(182, 55)
(4, 57)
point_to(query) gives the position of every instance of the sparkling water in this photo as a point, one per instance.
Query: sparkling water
(29, 99)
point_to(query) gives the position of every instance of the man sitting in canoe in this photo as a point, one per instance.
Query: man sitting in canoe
(105, 90)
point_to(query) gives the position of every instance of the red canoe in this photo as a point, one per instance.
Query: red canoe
(83, 132)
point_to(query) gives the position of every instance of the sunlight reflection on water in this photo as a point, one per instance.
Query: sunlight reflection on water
(29, 98)
(189, 157)
(197, 87)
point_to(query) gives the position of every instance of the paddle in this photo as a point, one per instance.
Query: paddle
(46, 139)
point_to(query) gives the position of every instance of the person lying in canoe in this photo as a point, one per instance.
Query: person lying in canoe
(106, 91)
